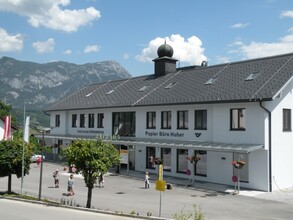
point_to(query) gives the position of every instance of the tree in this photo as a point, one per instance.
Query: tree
(11, 159)
(92, 157)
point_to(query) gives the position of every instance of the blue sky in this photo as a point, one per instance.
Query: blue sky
(130, 31)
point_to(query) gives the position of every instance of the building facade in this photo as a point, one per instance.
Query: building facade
(238, 111)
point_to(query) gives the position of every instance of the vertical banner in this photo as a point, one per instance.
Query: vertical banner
(7, 128)
(26, 129)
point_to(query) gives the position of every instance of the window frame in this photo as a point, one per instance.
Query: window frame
(199, 153)
(57, 121)
(240, 114)
(82, 122)
(287, 120)
(177, 160)
(150, 162)
(166, 119)
(200, 118)
(182, 124)
(74, 120)
(151, 120)
(91, 120)
(100, 120)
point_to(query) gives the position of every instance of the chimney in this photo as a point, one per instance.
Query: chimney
(164, 64)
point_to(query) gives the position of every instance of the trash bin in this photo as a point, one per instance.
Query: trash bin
(169, 186)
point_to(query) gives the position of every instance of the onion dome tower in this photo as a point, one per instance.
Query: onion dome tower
(164, 64)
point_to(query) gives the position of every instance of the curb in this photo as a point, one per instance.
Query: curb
(55, 204)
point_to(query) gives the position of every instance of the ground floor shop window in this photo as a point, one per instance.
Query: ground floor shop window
(243, 172)
(201, 166)
(182, 162)
(166, 158)
(150, 157)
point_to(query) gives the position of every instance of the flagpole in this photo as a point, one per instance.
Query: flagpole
(22, 166)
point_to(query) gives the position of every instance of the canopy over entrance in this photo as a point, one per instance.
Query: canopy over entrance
(196, 145)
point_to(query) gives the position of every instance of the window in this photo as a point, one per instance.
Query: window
(57, 120)
(200, 119)
(244, 171)
(211, 81)
(252, 76)
(182, 162)
(100, 120)
(182, 119)
(201, 166)
(82, 120)
(166, 120)
(91, 121)
(151, 120)
(287, 120)
(74, 120)
(124, 123)
(237, 119)
(166, 158)
(150, 157)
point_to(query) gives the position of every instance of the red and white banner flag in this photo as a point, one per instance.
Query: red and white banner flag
(7, 128)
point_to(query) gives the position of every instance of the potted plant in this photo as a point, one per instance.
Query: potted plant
(193, 159)
(238, 164)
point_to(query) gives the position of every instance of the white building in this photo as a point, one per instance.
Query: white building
(2, 123)
(221, 113)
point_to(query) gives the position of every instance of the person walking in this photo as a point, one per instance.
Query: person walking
(101, 180)
(56, 178)
(70, 183)
(146, 180)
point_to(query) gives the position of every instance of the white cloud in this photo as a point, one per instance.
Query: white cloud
(263, 49)
(187, 51)
(45, 46)
(91, 49)
(67, 52)
(287, 14)
(10, 43)
(50, 13)
(239, 25)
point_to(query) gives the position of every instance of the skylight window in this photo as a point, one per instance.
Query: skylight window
(111, 91)
(143, 88)
(211, 81)
(252, 76)
(88, 95)
(169, 86)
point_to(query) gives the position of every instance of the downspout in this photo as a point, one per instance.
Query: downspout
(270, 144)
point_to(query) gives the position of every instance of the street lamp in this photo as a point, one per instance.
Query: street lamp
(41, 169)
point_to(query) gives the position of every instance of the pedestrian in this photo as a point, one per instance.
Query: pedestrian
(39, 160)
(101, 180)
(70, 184)
(146, 180)
(56, 178)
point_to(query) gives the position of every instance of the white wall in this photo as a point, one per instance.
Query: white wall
(282, 141)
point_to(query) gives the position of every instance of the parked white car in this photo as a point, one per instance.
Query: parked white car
(36, 156)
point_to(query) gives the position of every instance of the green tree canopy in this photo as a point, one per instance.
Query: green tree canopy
(11, 158)
(92, 157)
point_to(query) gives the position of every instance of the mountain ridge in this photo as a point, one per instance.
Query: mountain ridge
(40, 85)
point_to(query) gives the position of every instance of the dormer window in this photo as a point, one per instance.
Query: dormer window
(169, 86)
(111, 91)
(211, 81)
(88, 95)
(143, 88)
(252, 76)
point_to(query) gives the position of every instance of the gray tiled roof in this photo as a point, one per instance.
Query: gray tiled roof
(190, 86)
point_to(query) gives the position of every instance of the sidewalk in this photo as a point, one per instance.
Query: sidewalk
(285, 195)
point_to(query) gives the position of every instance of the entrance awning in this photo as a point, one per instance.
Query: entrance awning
(196, 145)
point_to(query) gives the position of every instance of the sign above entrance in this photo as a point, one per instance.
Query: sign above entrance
(163, 134)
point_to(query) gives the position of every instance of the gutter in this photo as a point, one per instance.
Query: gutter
(270, 143)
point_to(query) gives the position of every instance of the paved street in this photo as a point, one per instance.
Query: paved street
(127, 194)
(28, 211)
